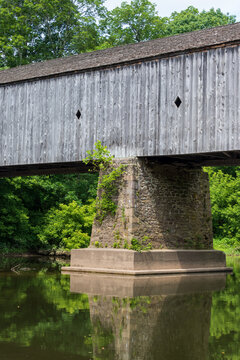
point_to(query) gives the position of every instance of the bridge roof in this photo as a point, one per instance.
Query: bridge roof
(132, 53)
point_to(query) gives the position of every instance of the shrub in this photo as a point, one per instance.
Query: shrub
(68, 227)
(225, 203)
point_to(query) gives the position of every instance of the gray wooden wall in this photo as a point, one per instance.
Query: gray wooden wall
(129, 108)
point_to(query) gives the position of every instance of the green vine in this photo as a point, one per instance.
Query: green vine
(140, 245)
(136, 244)
(102, 160)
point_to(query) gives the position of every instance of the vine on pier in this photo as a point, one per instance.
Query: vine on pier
(102, 160)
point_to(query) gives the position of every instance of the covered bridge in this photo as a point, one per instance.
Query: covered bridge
(156, 105)
(175, 96)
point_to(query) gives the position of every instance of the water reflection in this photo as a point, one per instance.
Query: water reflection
(39, 317)
(187, 317)
(169, 320)
(151, 327)
(224, 340)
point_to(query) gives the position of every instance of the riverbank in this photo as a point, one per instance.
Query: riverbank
(218, 245)
(43, 253)
(228, 249)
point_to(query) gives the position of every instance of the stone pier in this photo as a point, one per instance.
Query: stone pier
(164, 209)
(167, 206)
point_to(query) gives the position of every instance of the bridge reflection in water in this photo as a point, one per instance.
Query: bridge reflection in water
(149, 318)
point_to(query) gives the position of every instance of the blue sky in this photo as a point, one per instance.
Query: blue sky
(165, 8)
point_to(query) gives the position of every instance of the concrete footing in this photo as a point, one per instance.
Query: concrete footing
(154, 262)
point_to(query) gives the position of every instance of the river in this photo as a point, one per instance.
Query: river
(46, 315)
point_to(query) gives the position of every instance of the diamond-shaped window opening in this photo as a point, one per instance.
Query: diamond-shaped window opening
(78, 114)
(178, 101)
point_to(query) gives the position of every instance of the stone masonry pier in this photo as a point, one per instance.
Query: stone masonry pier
(166, 210)
(168, 206)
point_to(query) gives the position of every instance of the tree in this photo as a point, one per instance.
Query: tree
(32, 30)
(68, 227)
(134, 22)
(28, 204)
(139, 21)
(225, 204)
(191, 19)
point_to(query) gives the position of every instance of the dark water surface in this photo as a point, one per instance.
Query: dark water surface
(174, 318)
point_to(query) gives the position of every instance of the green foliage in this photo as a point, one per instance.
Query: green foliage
(59, 314)
(14, 218)
(225, 202)
(25, 203)
(39, 30)
(108, 188)
(140, 245)
(69, 226)
(101, 158)
(225, 317)
(118, 240)
(192, 19)
(139, 21)
(134, 22)
(32, 31)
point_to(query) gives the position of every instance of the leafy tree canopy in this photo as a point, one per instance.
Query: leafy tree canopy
(225, 203)
(134, 22)
(139, 21)
(191, 19)
(33, 30)
(30, 206)
(38, 30)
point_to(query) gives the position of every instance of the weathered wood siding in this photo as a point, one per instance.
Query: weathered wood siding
(129, 108)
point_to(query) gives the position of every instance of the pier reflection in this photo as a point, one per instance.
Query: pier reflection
(149, 318)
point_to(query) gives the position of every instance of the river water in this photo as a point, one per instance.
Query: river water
(46, 315)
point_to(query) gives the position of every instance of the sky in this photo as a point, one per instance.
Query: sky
(165, 8)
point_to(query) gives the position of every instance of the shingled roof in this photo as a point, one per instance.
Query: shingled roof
(168, 46)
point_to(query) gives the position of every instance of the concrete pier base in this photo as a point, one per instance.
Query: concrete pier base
(154, 262)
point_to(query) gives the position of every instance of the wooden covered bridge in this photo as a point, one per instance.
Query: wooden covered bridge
(166, 106)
